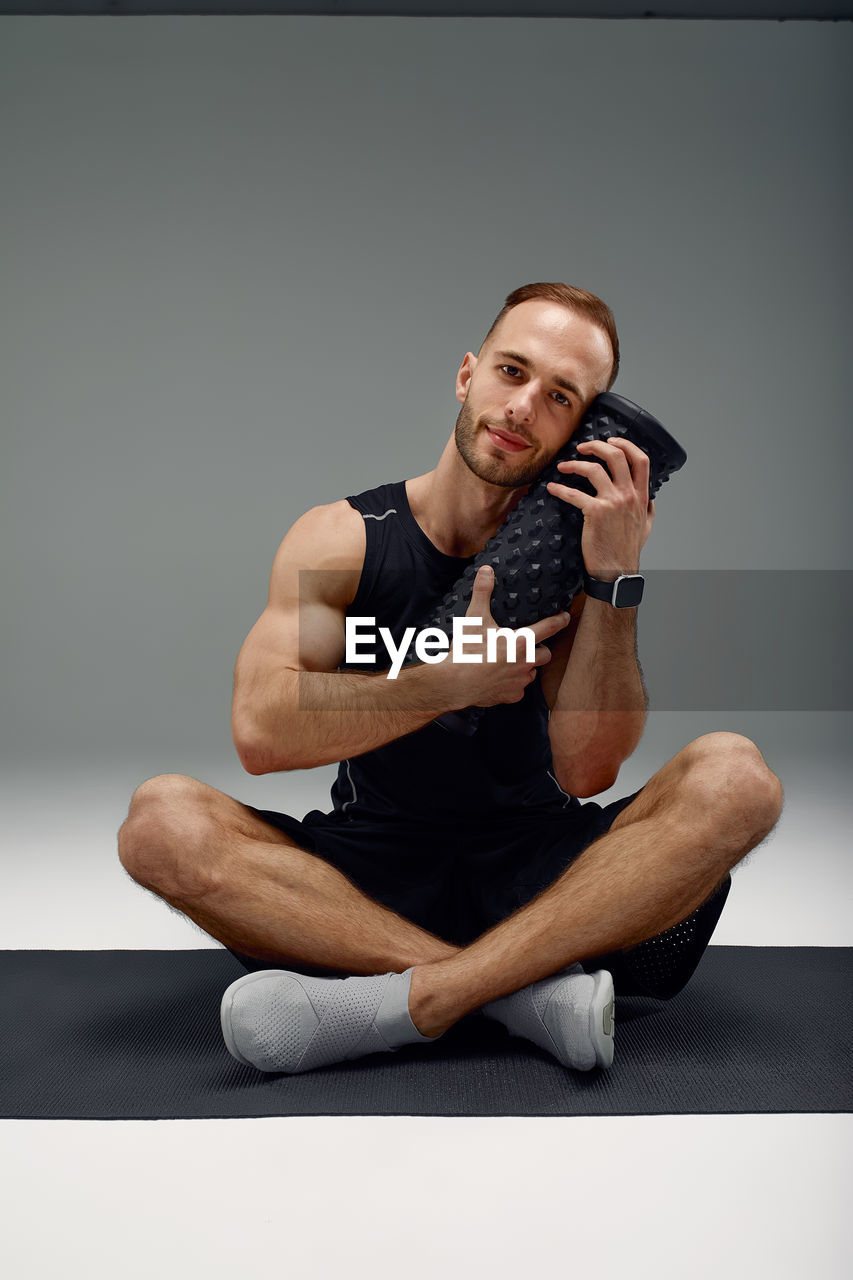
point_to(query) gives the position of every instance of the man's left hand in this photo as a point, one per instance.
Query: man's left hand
(618, 519)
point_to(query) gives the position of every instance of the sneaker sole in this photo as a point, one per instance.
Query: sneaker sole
(602, 1018)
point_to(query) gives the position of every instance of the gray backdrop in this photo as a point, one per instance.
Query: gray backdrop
(244, 257)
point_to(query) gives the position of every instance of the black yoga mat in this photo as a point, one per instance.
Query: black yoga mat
(111, 1035)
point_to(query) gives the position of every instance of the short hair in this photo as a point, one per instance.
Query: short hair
(578, 300)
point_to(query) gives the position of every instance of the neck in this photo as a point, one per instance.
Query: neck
(457, 510)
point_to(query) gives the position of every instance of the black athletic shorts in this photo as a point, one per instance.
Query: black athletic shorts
(457, 881)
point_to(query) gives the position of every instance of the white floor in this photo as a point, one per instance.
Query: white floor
(418, 1197)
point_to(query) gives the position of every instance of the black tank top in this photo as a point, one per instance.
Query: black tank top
(434, 773)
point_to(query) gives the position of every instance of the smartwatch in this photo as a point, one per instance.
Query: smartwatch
(625, 593)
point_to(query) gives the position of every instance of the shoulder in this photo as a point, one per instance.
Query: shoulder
(328, 536)
(330, 526)
(329, 540)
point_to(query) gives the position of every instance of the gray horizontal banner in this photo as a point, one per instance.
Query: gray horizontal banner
(747, 639)
(715, 640)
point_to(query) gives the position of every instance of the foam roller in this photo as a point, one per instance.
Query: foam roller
(536, 552)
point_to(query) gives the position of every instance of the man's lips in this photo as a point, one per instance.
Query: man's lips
(506, 439)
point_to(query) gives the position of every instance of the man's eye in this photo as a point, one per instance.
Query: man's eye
(563, 399)
(511, 369)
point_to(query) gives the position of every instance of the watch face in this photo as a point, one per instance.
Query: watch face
(629, 591)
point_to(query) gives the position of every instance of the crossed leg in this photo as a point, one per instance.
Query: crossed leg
(663, 856)
(251, 887)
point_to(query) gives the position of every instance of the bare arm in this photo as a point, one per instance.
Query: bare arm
(292, 708)
(595, 690)
(598, 706)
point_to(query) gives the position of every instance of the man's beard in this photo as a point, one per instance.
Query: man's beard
(494, 470)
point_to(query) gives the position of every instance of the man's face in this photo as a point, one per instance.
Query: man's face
(526, 392)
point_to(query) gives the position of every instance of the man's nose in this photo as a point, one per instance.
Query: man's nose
(520, 407)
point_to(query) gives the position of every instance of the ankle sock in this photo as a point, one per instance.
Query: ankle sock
(570, 1014)
(278, 1020)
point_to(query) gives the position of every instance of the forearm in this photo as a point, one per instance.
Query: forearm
(310, 718)
(600, 709)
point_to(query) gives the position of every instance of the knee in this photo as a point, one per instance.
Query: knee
(731, 778)
(160, 843)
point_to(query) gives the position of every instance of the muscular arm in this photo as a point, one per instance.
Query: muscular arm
(594, 687)
(292, 708)
(598, 707)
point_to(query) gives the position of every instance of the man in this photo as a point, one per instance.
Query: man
(448, 876)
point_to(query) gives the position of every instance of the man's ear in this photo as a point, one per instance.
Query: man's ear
(463, 377)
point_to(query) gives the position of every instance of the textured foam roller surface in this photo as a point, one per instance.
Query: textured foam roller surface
(536, 552)
(136, 1035)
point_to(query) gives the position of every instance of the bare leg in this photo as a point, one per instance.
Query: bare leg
(248, 885)
(664, 855)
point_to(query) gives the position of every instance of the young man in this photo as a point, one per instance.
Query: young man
(447, 877)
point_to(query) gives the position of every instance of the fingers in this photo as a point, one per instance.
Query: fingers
(640, 465)
(621, 455)
(481, 592)
(627, 463)
(574, 496)
(614, 458)
(547, 627)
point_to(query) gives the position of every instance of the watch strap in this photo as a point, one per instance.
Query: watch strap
(625, 592)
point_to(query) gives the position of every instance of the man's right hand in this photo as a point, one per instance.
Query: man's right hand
(485, 684)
